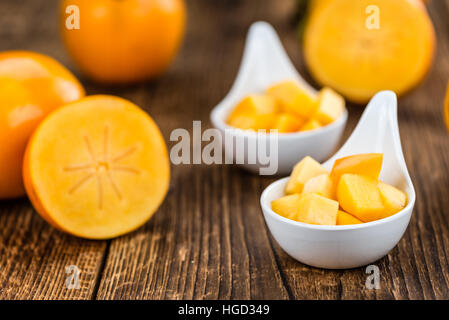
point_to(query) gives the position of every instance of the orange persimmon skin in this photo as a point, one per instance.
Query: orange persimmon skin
(124, 41)
(446, 107)
(368, 164)
(31, 86)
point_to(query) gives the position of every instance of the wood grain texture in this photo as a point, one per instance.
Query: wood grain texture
(209, 239)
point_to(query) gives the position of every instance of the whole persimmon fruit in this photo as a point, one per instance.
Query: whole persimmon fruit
(123, 41)
(31, 86)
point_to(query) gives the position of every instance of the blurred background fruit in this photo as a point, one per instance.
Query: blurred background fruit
(346, 48)
(446, 107)
(124, 41)
(31, 86)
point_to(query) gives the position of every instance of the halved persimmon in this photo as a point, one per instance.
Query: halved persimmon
(361, 47)
(97, 168)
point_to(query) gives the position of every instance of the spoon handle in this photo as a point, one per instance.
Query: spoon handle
(265, 61)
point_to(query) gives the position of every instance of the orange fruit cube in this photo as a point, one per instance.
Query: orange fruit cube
(287, 206)
(312, 124)
(331, 106)
(254, 112)
(304, 170)
(393, 199)
(322, 185)
(252, 122)
(344, 218)
(360, 196)
(255, 104)
(315, 209)
(286, 122)
(368, 164)
(294, 99)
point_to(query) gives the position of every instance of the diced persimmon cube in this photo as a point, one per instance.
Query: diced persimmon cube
(294, 99)
(287, 206)
(393, 199)
(331, 106)
(255, 104)
(322, 185)
(344, 218)
(304, 170)
(286, 122)
(252, 121)
(360, 196)
(242, 122)
(312, 124)
(315, 209)
(367, 164)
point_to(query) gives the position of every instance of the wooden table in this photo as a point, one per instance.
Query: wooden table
(209, 239)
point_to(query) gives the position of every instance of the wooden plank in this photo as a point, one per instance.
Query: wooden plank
(187, 247)
(34, 257)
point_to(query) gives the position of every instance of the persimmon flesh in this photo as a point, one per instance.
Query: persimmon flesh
(361, 47)
(97, 168)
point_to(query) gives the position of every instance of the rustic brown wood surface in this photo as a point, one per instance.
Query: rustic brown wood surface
(209, 239)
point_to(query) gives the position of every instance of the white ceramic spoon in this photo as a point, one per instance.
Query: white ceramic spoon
(341, 247)
(265, 63)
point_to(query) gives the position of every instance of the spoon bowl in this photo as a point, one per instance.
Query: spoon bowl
(351, 246)
(265, 63)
